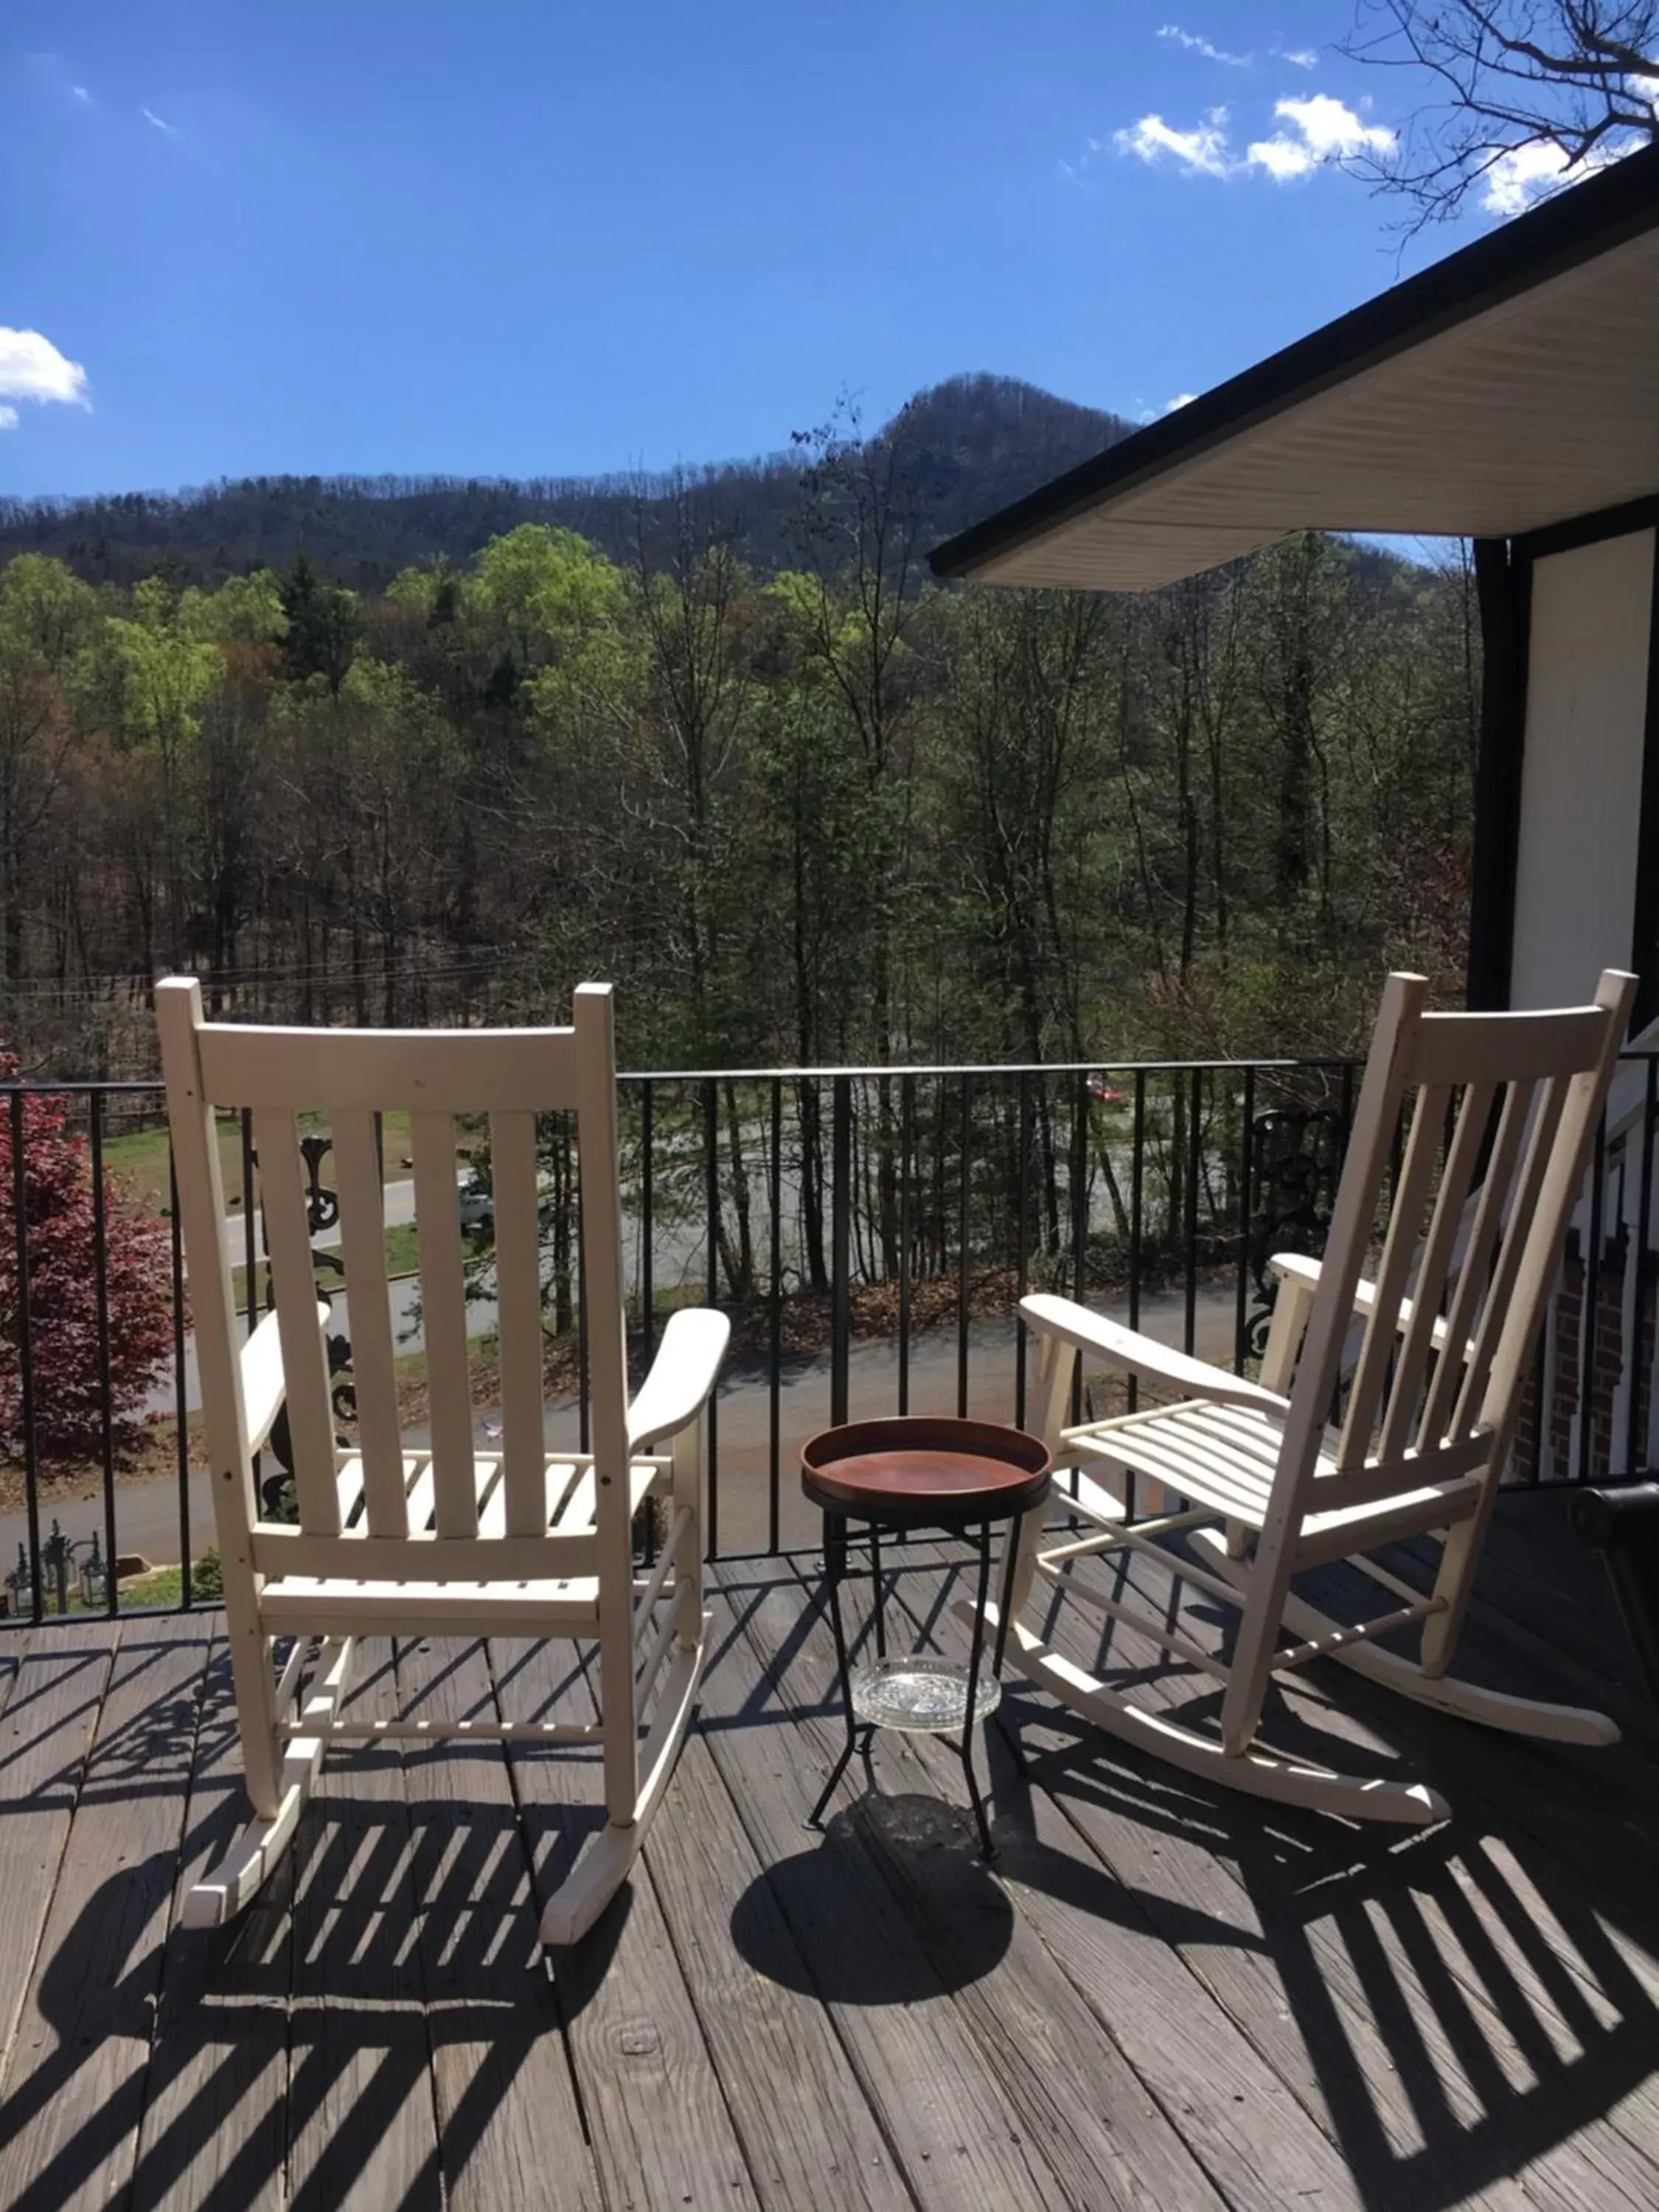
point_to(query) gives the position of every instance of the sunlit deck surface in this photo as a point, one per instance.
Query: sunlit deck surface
(1161, 1997)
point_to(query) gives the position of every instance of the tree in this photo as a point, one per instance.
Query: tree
(59, 1213)
(1532, 94)
(46, 617)
(325, 624)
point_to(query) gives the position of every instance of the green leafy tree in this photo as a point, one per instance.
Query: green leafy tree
(324, 624)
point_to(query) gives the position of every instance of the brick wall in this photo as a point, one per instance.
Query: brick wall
(1565, 1377)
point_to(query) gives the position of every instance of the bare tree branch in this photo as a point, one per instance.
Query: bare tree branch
(1528, 96)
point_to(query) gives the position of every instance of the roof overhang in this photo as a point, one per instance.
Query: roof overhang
(1514, 384)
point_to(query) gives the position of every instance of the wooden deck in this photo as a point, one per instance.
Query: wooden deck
(1161, 1997)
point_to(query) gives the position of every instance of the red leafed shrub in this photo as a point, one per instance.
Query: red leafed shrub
(62, 1291)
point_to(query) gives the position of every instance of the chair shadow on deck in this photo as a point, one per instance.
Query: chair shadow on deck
(294, 2052)
(1467, 2000)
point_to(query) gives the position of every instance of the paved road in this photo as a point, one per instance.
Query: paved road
(147, 1513)
(399, 1208)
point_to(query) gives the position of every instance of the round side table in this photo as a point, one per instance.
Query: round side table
(895, 1477)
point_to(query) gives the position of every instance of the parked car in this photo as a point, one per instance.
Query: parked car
(1102, 1093)
(477, 1200)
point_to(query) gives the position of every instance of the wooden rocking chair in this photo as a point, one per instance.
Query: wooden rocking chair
(442, 1540)
(1502, 1112)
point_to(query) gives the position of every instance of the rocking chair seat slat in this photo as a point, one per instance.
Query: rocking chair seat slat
(1226, 1457)
(357, 1559)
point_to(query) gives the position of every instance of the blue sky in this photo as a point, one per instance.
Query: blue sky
(554, 236)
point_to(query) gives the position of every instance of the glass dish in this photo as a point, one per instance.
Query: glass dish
(923, 1694)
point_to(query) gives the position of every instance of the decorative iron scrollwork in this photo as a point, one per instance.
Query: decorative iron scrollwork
(1296, 1154)
(322, 1213)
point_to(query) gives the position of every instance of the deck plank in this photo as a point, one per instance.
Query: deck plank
(1074, 2020)
(657, 2115)
(215, 2132)
(507, 2117)
(76, 2090)
(362, 2123)
(1318, 1979)
(1477, 2050)
(962, 2140)
(795, 2098)
(46, 1734)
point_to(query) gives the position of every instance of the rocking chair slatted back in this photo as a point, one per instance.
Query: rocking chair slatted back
(519, 1285)
(350, 1078)
(359, 1176)
(1499, 1111)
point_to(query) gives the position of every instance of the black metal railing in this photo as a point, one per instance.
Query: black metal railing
(869, 1231)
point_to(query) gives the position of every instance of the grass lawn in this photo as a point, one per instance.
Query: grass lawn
(402, 1243)
(140, 1159)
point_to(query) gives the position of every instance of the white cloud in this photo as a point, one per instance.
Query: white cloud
(1331, 128)
(1280, 157)
(31, 367)
(1195, 45)
(1299, 58)
(1180, 399)
(1321, 130)
(1202, 150)
(79, 93)
(1517, 178)
(1526, 174)
(169, 129)
(8, 418)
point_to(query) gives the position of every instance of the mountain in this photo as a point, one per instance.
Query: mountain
(969, 446)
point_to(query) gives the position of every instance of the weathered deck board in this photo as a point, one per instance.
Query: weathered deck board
(362, 2122)
(1101, 2126)
(1110, 1987)
(1163, 1994)
(795, 2098)
(1317, 1978)
(215, 2131)
(1467, 2004)
(962, 2143)
(506, 2110)
(75, 2087)
(637, 2046)
(45, 1732)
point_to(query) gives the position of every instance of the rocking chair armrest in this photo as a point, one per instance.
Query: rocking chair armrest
(683, 1375)
(264, 1383)
(1295, 1268)
(1143, 1355)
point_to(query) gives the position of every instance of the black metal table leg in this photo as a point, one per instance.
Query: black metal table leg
(876, 1592)
(970, 1719)
(835, 1566)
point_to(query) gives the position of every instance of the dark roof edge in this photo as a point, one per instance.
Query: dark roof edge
(1577, 226)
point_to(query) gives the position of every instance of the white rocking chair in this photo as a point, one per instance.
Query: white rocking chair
(1449, 1323)
(442, 1540)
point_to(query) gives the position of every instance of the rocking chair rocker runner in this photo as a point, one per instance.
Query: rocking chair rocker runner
(1502, 1112)
(442, 1540)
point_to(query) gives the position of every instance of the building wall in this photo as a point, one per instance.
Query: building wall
(1581, 789)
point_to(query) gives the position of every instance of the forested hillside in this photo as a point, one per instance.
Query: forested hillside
(970, 445)
(799, 804)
